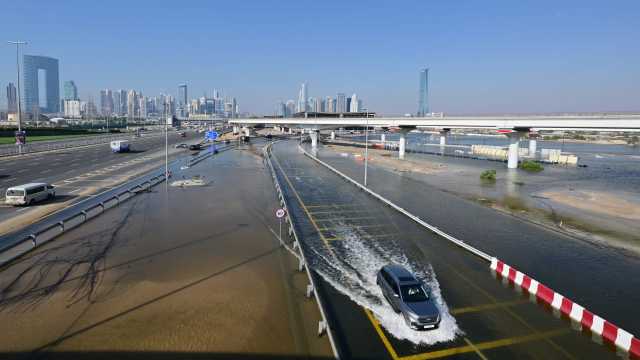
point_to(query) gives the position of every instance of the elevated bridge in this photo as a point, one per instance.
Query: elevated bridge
(513, 127)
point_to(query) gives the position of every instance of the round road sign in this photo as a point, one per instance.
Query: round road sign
(280, 213)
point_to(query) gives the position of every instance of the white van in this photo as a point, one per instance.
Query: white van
(28, 194)
(119, 146)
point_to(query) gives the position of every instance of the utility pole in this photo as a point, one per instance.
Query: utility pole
(17, 44)
(366, 147)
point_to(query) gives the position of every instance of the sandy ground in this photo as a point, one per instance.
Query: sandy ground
(386, 159)
(178, 270)
(597, 202)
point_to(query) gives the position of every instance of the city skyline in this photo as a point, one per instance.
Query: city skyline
(527, 58)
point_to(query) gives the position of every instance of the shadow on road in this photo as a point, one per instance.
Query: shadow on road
(146, 355)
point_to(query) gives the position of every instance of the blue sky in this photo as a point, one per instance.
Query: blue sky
(484, 56)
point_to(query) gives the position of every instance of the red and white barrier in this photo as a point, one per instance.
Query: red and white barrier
(610, 332)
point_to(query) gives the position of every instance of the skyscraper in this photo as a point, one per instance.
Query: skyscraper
(423, 100)
(132, 104)
(329, 105)
(12, 99)
(302, 98)
(70, 90)
(123, 102)
(347, 107)
(106, 102)
(182, 100)
(116, 103)
(341, 103)
(291, 108)
(355, 104)
(41, 97)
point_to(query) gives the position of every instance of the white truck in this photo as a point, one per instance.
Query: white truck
(119, 146)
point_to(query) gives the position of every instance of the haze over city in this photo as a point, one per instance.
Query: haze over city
(514, 57)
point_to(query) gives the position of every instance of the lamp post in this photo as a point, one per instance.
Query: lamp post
(17, 44)
(366, 147)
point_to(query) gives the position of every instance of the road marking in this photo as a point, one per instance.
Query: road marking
(483, 307)
(475, 349)
(74, 191)
(486, 345)
(45, 171)
(295, 192)
(385, 341)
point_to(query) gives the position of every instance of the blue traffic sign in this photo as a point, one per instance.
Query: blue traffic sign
(211, 135)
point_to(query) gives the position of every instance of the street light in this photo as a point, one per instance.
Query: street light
(366, 147)
(17, 44)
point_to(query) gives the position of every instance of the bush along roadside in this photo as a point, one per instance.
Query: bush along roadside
(488, 175)
(531, 166)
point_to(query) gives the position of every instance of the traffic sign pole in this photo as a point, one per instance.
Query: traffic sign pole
(280, 214)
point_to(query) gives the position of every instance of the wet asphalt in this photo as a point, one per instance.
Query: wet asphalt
(494, 320)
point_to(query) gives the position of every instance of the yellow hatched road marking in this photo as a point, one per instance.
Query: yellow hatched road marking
(483, 307)
(486, 345)
(295, 192)
(385, 341)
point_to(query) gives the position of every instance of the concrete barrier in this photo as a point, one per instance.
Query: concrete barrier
(622, 339)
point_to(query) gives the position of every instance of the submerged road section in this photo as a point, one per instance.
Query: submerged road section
(176, 272)
(348, 236)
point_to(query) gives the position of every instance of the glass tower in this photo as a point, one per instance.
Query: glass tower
(34, 67)
(423, 100)
(70, 90)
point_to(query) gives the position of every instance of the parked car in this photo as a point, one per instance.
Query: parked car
(28, 194)
(408, 296)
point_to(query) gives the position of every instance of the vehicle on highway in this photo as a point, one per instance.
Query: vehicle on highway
(183, 134)
(195, 147)
(181, 146)
(245, 139)
(120, 146)
(408, 296)
(29, 194)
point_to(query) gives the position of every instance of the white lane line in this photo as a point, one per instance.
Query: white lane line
(45, 171)
(74, 191)
(22, 209)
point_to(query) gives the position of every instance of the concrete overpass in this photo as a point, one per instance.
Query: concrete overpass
(514, 127)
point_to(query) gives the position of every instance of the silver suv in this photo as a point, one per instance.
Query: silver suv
(408, 296)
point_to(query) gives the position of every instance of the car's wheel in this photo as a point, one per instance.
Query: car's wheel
(31, 202)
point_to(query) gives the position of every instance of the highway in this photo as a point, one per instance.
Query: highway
(178, 271)
(172, 273)
(350, 235)
(80, 172)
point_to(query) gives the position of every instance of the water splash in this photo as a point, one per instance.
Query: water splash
(353, 270)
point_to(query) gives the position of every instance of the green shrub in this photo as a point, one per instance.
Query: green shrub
(531, 166)
(488, 175)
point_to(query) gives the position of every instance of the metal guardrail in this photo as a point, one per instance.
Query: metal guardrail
(43, 146)
(44, 235)
(323, 325)
(434, 229)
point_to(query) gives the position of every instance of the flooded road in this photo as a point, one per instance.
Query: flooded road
(171, 272)
(349, 235)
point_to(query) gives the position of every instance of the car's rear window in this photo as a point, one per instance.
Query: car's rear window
(13, 192)
(413, 293)
(406, 278)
